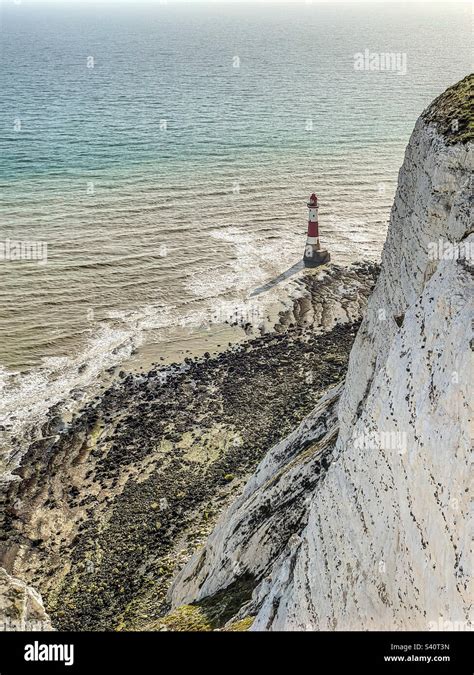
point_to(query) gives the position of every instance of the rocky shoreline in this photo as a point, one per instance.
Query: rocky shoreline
(111, 504)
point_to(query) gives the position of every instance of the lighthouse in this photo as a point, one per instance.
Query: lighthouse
(313, 254)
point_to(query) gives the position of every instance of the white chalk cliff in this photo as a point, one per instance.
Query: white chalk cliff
(359, 520)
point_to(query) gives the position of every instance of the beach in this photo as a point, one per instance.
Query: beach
(114, 499)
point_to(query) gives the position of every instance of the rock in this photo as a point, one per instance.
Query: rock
(21, 607)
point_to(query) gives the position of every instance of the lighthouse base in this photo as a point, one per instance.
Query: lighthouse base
(314, 257)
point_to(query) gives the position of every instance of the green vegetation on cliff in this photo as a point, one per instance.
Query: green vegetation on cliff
(211, 613)
(452, 112)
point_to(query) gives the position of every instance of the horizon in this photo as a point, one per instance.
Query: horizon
(403, 3)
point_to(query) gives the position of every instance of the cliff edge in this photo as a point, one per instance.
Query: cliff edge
(359, 519)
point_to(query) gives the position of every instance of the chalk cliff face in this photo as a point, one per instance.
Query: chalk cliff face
(358, 520)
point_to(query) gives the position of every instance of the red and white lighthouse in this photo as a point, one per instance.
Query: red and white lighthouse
(313, 254)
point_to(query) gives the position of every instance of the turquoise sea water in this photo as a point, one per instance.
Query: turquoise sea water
(165, 153)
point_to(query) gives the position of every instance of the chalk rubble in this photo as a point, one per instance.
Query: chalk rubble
(21, 606)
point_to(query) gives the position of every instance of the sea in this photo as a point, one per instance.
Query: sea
(156, 161)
